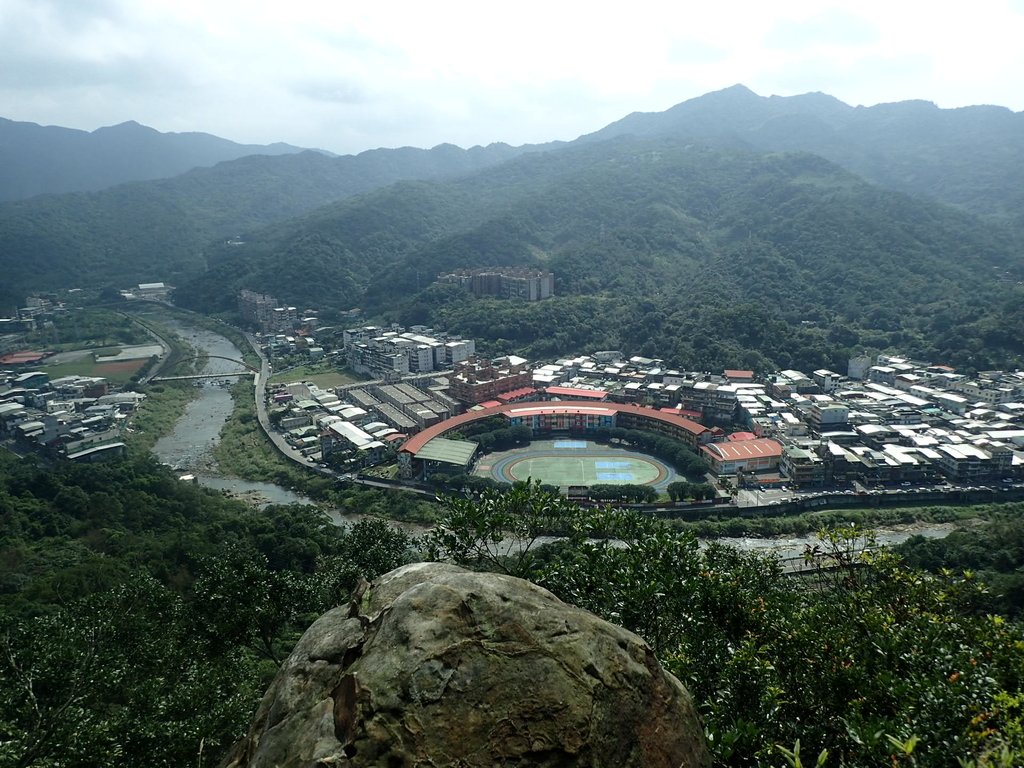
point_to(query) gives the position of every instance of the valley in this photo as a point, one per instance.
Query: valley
(743, 377)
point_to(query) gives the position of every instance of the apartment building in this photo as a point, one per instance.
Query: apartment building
(516, 283)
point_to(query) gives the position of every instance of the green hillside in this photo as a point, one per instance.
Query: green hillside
(160, 230)
(685, 234)
(705, 257)
(972, 157)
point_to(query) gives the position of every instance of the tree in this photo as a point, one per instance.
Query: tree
(500, 530)
(866, 658)
(118, 678)
(243, 602)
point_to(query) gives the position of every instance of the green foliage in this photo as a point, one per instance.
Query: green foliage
(500, 531)
(663, 248)
(993, 549)
(92, 328)
(682, 490)
(118, 678)
(162, 229)
(628, 492)
(864, 661)
(502, 438)
(139, 614)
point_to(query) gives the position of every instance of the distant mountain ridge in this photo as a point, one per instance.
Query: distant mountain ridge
(701, 256)
(972, 157)
(39, 159)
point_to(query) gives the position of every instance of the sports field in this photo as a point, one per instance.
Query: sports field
(575, 462)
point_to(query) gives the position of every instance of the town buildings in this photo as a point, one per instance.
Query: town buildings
(516, 283)
(266, 312)
(393, 352)
(474, 381)
(903, 421)
(73, 417)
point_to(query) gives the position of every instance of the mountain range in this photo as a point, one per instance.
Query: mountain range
(731, 228)
(972, 157)
(39, 159)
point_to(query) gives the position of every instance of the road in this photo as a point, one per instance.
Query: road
(261, 380)
(164, 356)
(260, 391)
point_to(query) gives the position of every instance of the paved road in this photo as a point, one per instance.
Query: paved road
(260, 389)
(290, 453)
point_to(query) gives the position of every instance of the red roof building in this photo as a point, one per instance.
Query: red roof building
(573, 393)
(728, 458)
(523, 393)
(738, 376)
(573, 416)
(22, 358)
(736, 437)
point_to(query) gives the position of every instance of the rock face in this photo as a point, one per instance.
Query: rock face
(438, 666)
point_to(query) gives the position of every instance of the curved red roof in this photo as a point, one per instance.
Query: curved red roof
(416, 442)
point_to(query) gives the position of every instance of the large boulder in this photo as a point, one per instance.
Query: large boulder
(437, 666)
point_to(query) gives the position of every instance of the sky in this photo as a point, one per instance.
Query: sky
(351, 75)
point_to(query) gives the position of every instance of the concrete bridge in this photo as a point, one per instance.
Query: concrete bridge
(194, 376)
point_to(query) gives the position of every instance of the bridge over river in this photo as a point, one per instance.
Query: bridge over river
(247, 369)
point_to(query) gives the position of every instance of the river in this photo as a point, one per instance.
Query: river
(189, 447)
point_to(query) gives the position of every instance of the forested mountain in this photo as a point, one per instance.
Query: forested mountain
(730, 229)
(158, 230)
(48, 159)
(972, 157)
(698, 255)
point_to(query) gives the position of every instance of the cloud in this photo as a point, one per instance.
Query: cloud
(349, 76)
(332, 91)
(828, 29)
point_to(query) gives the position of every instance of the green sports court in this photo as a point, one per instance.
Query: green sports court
(575, 462)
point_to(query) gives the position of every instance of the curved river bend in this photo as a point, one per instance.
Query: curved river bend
(189, 447)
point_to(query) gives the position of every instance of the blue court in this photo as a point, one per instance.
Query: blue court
(570, 444)
(611, 464)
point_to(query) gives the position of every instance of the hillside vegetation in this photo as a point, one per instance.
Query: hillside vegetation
(971, 157)
(704, 257)
(160, 230)
(141, 617)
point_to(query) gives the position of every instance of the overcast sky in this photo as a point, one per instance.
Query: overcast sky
(349, 75)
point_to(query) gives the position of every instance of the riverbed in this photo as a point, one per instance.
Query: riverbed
(189, 447)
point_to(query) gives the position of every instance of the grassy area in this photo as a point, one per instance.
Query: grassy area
(245, 451)
(158, 414)
(809, 522)
(384, 471)
(323, 375)
(115, 373)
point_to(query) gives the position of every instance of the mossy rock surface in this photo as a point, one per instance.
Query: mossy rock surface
(438, 666)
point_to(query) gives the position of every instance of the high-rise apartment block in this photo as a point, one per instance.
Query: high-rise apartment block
(263, 310)
(516, 283)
